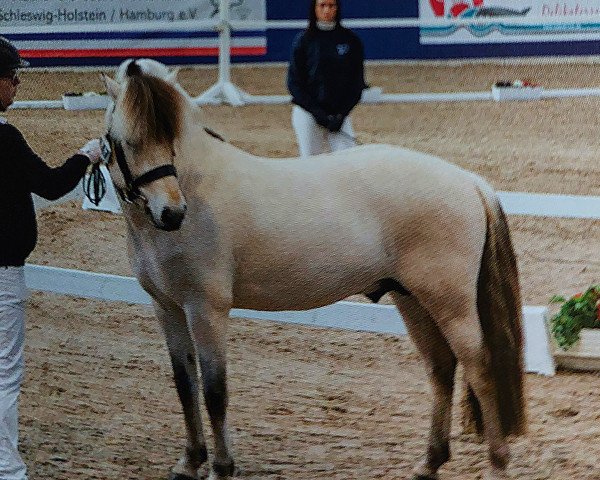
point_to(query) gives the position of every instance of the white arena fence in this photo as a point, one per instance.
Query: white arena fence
(342, 315)
(224, 91)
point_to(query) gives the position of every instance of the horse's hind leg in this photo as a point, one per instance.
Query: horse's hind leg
(183, 360)
(208, 327)
(440, 363)
(458, 320)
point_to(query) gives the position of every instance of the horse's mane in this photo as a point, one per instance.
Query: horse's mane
(153, 107)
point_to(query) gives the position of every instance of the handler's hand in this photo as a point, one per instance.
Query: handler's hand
(321, 118)
(92, 150)
(335, 122)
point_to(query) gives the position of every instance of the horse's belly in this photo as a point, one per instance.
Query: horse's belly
(277, 298)
(307, 266)
(288, 289)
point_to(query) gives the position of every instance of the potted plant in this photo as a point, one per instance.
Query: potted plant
(575, 330)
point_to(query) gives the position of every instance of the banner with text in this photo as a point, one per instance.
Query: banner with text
(123, 28)
(562, 21)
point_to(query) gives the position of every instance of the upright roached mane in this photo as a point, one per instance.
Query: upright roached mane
(238, 231)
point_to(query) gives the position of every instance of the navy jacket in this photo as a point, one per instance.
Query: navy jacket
(22, 172)
(326, 72)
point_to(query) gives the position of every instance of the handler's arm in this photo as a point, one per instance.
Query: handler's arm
(47, 182)
(358, 77)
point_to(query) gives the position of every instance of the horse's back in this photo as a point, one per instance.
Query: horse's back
(386, 172)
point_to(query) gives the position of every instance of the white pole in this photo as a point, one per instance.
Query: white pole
(224, 43)
(224, 90)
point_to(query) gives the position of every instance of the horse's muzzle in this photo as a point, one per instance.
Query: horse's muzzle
(171, 218)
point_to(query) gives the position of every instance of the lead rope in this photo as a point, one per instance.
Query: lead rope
(94, 185)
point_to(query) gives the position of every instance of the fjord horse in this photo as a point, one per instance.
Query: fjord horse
(211, 227)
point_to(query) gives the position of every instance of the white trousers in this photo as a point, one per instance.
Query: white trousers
(312, 137)
(13, 295)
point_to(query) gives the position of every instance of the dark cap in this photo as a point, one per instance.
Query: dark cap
(9, 57)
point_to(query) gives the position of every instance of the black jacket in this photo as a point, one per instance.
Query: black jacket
(326, 72)
(22, 172)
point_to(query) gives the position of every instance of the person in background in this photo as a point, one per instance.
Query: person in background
(325, 79)
(22, 173)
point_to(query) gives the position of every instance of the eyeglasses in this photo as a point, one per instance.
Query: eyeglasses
(13, 77)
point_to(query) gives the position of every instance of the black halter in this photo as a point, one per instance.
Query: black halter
(114, 150)
(95, 187)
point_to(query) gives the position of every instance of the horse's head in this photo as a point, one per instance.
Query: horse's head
(143, 125)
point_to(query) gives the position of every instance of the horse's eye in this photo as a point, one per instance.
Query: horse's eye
(132, 145)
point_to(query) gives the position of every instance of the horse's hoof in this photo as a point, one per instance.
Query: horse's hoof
(180, 476)
(230, 474)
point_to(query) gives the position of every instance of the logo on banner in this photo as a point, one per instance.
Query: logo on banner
(472, 8)
(238, 5)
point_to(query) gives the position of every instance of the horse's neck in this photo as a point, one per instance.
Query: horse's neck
(193, 112)
(203, 152)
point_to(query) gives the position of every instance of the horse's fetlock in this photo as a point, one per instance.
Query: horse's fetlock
(438, 454)
(197, 456)
(500, 456)
(224, 469)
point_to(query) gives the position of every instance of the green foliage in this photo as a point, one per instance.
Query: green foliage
(579, 311)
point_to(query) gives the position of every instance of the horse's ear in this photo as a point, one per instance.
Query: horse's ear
(113, 88)
(172, 76)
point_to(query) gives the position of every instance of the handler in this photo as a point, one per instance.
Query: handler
(22, 172)
(325, 79)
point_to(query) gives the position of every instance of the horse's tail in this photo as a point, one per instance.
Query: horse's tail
(500, 313)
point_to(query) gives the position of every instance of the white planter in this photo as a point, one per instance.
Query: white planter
(584, 354)
(501, 94)
(85, 102)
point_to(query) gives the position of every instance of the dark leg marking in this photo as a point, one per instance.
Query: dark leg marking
(184, 386)
(437, 455)
(384, 286)
(197, 457)
(187, 393)
(180, 476)
(499, 461)
(224, 470)
(214, 378)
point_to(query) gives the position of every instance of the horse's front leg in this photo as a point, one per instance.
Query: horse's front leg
(183, 360)
(208, 326)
